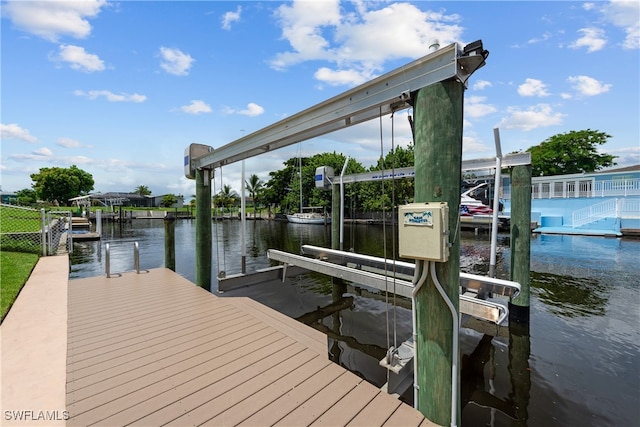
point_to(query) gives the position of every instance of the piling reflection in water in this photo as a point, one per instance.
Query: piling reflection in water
(578, 364)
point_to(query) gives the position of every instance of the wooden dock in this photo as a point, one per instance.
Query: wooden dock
(154, 349)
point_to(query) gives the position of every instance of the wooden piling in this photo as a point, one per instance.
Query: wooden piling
(203, 228)
(170, 241)
(520, 241)
(438, 162)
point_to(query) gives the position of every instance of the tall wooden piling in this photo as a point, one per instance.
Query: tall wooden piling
(170, 241)
(438, 162)
(520, 241)
(203, 228)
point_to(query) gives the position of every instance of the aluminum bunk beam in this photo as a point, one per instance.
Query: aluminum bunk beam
(469, 304)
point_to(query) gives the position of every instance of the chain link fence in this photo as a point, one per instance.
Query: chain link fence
(32, 230)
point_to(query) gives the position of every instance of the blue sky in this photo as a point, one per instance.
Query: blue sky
(121, 88)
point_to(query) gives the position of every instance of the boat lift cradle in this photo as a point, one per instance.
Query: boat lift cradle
(374, 272)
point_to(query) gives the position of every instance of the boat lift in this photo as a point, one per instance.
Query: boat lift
(395, 276)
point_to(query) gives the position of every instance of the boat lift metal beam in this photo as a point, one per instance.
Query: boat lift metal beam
(510, 160)
(469, 304)
(381, 96)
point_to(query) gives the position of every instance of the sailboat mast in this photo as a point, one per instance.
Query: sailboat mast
(300, 174)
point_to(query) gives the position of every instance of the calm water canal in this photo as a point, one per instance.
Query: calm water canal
(577, 365)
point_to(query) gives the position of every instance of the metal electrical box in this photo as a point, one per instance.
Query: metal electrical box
(423, 231)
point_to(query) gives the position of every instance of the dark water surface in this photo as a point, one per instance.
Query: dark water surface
(578, 364)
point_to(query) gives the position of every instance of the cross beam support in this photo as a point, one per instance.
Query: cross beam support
(381, 96)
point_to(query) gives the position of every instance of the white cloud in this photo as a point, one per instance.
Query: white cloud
(44, 151)
(79, 59)
(53, 19)
(481, 84)
(341, 77)
(624, 14)
(110, 96)
(68, 143)
(361, 41)
(627, 156)
(471, 145)
(196, 107)
(533, 87)
(544, 37)
(474, 106)
(252, 110)
(588, 86)
(13, 131)
(176, 62)
(592, 38)
(230, 17)
(540, 115)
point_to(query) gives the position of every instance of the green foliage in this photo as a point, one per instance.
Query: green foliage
(379, 195)
(142, 190)
(61, 184)
(569, 153)
(226, 197)
(15, 269)
(255, 187)
(283, 187)
(169, 200)
(26, 197)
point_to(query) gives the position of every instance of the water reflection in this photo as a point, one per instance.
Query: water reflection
(570, 297)
(579, 364)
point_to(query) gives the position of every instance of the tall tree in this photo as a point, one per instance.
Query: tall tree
(571, 152)
(254, 186)
(226, 197)
(142, 190)
(26, 197)
(61, 184)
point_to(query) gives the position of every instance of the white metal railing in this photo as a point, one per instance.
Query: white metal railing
(617, 187)
(629, 208)
(574, 188)
(606, 209)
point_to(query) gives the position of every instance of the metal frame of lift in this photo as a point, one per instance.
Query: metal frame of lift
(391, 275)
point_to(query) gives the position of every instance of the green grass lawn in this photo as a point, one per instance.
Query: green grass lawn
(15, 268)
(14, 219)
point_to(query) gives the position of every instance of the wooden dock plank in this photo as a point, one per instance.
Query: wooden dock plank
(377, 412)
(322, 401)
(154, 349)
(281, 407)
(157, 385)
(105, 375)
(196, 394)
(246, 408)
(348, 407)
(151, 342)
(215, 398)
(313, 338)
(405, 416)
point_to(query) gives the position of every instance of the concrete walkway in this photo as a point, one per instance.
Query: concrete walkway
(33, 349)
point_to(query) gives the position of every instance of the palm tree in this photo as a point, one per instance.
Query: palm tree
(225, 197)
(254, 186)
(142, 190)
